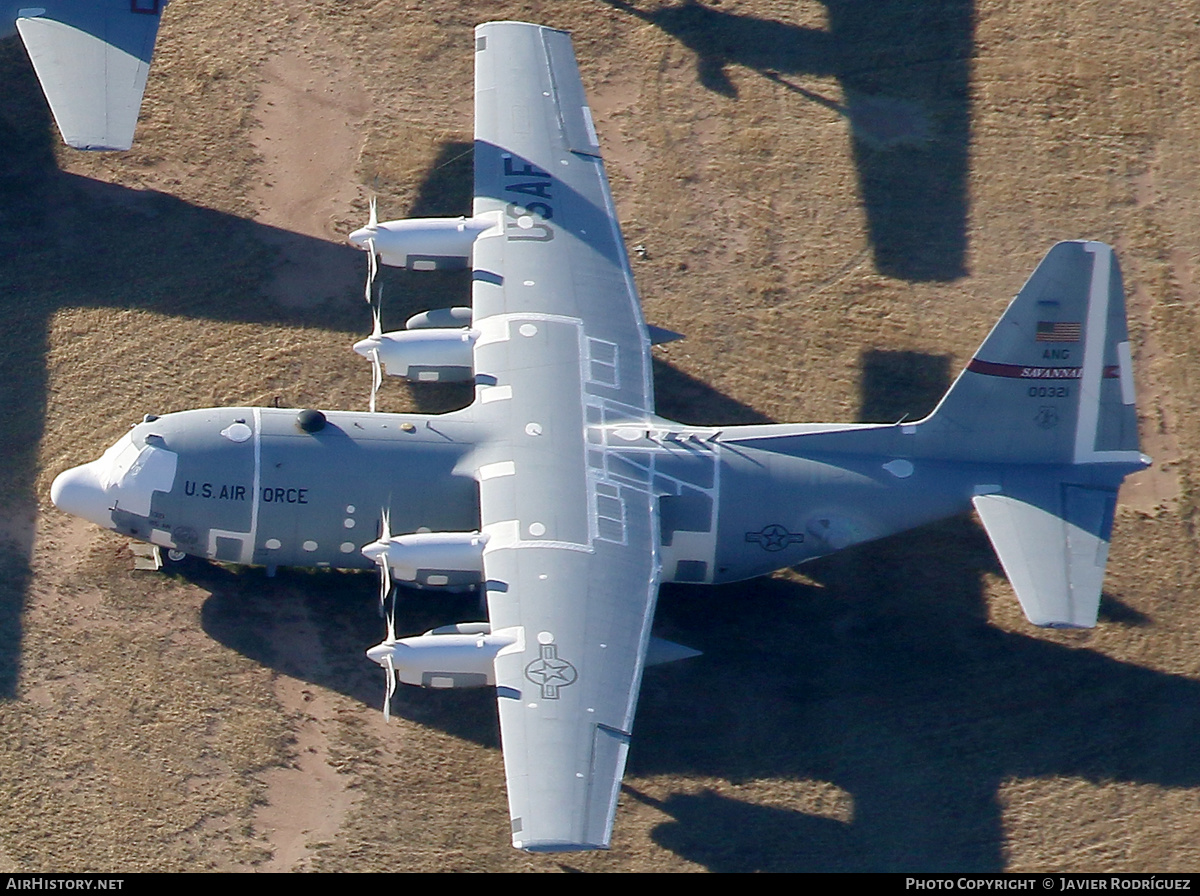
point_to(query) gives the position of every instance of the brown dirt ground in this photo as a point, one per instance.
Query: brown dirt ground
(889, 709)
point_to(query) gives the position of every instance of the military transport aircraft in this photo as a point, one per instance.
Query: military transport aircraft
(561, 493)
(92, 57)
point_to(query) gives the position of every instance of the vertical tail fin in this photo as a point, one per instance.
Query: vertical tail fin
(1049, 398)
(1053, 381)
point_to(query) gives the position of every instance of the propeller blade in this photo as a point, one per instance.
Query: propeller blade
(385, 589)
(372, 271)
(385, 581)
(390, 689)
(376, 377)
(376, 333)
(391, 623)
(373, 221)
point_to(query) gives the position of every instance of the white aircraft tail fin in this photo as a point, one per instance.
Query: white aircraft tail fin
(1053, 381)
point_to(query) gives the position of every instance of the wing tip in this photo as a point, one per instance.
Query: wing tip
(89, 146)
(540, 846)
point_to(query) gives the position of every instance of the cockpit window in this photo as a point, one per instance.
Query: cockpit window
(117, 460)
(133, 474)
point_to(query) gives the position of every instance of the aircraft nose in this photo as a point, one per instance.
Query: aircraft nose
(78, 492)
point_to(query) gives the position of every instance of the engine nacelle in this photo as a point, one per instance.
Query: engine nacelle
(463, 655)
(432, 559)
(454, 656)
(423, 244)
(440, 319)
(425, 355)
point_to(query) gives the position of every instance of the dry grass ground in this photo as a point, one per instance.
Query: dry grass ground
(836, 200)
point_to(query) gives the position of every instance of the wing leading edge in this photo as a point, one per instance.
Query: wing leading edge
(562, 364)
(92, 58)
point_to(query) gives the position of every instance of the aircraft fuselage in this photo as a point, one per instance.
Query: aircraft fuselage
(253, 486)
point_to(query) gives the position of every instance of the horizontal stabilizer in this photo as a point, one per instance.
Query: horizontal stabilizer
(92, 59)
(1053, 544)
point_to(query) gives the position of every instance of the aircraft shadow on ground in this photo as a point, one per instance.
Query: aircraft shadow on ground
(905, 71)
(69, 241)
(317, 626)
(901, 385)
(884, 680)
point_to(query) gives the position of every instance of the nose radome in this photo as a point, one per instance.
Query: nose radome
(78, 492)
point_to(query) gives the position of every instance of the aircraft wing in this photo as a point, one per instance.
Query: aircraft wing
(563, 383)
(92, 57)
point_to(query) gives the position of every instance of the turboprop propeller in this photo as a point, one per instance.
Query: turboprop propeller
(369, 348)
(382, 653)
(375, 300)
(435, 346)
(456, 657)
(377, 552)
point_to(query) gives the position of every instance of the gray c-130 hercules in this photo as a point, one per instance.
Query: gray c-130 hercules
(563, 495)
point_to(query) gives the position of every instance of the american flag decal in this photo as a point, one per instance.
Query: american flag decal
(1058, 331)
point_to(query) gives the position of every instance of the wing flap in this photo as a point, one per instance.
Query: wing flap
(1053, 544)
(92, 59)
